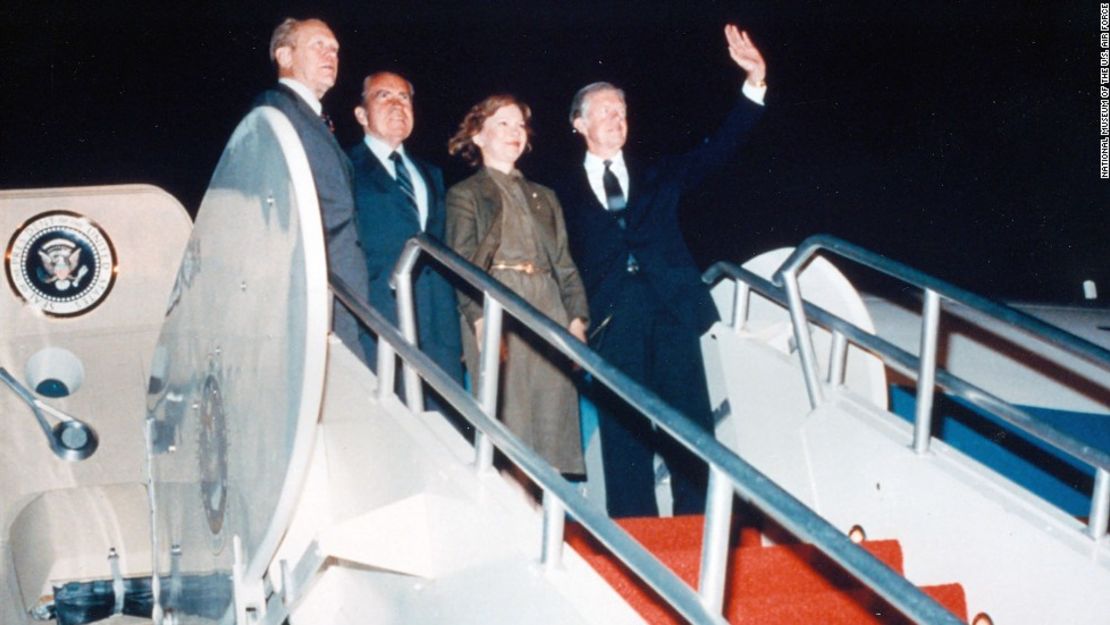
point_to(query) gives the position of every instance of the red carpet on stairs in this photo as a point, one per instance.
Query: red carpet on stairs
(780, 584)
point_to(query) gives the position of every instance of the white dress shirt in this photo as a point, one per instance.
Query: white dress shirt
(595, 171)
(381, 150)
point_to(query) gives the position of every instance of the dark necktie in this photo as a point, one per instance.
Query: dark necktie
(404, 180)
(614, 199)
(327, 122)
(614, 195)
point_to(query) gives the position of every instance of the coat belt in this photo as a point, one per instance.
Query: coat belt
(526, 267)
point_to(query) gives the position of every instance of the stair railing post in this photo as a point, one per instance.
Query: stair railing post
(927, 372)
(740, 303)
(414, 392)
(802, 337)
(714, 550)
(1100, 505)
(838, 358)
(554, 523)
(387, 370)
(489, 369)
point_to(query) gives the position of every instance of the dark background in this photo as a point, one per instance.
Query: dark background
(957, 137)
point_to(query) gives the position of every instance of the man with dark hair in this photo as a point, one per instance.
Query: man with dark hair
(307, 57)
(398, 196)
(648, 305)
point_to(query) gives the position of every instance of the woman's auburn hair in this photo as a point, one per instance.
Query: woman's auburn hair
(462, 143)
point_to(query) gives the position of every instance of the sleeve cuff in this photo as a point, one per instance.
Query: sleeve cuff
(753, 93)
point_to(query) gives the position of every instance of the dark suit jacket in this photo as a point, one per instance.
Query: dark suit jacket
(386, 220)
(600, 247)
(331, 172)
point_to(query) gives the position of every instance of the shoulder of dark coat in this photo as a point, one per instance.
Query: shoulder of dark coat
(426, 165)
(277, 96)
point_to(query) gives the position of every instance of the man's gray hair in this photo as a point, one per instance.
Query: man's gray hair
(370, 78)
(578, 104)
(283, 36)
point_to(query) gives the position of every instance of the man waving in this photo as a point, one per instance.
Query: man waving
(646, 297)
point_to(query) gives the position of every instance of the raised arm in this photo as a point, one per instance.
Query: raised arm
(746, 55)
(717, 149)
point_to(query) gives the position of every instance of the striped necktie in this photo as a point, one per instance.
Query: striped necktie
(404, 180)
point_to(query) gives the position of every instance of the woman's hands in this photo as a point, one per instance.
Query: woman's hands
(577, 328)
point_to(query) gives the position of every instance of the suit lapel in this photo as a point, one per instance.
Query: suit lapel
(385, 183)
(436, 224)
(319, 126)
(426, 177)
(635, 186)
(385, 186)
(587, 192)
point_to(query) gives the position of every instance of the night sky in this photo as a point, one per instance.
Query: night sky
(957, 137)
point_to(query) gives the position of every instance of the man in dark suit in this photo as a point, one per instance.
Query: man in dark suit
(648, 305)
(398, 196)
(307, 57)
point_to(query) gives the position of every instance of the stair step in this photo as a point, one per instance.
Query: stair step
(799, 568)
(858, 606)
(792, 583)
(682, 532)
(765, 570)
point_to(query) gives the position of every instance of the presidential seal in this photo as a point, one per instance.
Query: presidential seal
(212, 456)
(61, 263)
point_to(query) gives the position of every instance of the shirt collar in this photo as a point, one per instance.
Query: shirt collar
(306, 94)
(381, 149)
(594, 162)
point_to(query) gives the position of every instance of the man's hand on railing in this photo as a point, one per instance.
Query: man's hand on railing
(577, 328)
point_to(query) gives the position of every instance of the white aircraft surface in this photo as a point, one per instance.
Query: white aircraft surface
(185, 442)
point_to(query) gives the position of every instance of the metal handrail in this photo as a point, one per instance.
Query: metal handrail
(784, 292)
(70, 438)
(1027, 323)
(729, 474)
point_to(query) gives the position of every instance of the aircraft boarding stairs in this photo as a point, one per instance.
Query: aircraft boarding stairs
(283, 480)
